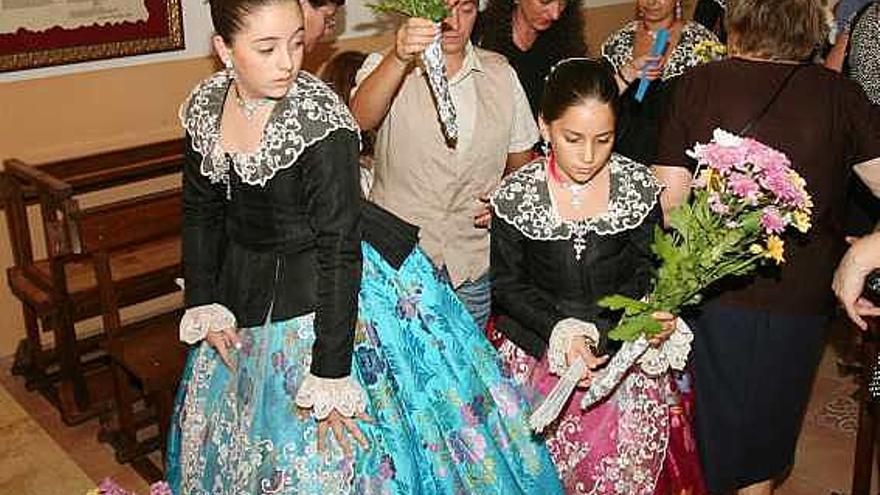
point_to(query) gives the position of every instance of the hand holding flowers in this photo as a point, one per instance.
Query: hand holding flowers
(745, 196)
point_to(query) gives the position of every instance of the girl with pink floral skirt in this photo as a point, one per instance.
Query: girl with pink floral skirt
(568, 230)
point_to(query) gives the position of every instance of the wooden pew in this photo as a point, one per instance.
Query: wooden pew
(61, 289)
(147, 357)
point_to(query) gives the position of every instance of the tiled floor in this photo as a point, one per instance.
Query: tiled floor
(823, 464)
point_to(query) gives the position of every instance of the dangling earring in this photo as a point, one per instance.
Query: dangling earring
(679, 10)
(544, 147)
(639, 14)
(229, 68)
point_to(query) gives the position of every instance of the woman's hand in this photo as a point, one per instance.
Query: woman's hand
(483, 216)
(222, 341)
(579, 349)
(653, 67)
(339, 424)
(413, 38)
(849, 278)
(668, 321)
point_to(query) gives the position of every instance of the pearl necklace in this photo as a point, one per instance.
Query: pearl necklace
(250, 108)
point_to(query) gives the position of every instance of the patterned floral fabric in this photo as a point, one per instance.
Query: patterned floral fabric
(638, 441)
(618, 48)
(445, 419)
(864, 52)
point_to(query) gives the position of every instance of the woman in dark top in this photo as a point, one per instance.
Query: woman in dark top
(628, 50)
(306, 329)
(570, 229)
(533, 35)
(710, 13)
(758, 342)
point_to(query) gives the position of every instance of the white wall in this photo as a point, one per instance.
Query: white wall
(357, 20)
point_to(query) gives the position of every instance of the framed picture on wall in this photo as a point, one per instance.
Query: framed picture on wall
(41, 33)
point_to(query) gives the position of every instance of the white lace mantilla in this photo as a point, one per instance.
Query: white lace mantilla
(309, 112)
(523, 200)
(618, 48)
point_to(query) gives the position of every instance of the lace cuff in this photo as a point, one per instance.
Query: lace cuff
(673, 353)
(560, 339)
(323, 395)
(198, 321)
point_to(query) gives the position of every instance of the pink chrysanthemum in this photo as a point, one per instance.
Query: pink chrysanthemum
(743, 186)
(772, 221)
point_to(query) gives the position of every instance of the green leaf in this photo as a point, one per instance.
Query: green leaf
(630, 329)
(434, 10)
(629, 305)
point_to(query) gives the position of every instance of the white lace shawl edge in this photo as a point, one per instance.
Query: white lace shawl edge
(539, 164)
(206, 145)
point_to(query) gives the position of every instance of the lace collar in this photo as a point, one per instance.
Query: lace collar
(618, 48)
(524, 201)
(308, 113)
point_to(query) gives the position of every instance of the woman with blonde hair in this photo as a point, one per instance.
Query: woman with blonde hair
(757, 342)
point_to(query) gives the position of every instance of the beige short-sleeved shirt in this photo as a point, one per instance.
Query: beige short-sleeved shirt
(424, 181)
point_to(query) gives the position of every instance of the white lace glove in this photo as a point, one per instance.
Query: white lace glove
(560, 340)
(199, 320)
(672, 353)
(323, 395)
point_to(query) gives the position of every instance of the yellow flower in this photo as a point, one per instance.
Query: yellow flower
(775, 249)
(801, 221)
(756, 249)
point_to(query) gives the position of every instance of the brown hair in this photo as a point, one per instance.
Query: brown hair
(777, 29)
(340, 72)
(227, 16)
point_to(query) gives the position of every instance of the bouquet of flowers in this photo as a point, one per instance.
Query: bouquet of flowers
(709, 51)
(109, 487)
(433, 58)
(745, 195)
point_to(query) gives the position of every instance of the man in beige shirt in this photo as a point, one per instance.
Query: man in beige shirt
(443, 187)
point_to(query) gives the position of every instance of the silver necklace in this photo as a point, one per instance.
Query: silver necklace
(250, 108)
(574, 192)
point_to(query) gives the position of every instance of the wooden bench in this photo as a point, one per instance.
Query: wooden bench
(61, 289)
(147, 357)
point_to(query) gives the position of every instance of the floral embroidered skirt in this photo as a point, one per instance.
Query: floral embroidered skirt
(638, 441)
(446, 421)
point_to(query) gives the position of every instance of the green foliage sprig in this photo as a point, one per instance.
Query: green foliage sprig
(434, 10)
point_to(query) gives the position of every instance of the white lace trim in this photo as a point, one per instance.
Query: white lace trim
(560, 340)
(618, 48)
(672, 353)
(323, 395)
(309, 112)
(199, 320)
(523, 200)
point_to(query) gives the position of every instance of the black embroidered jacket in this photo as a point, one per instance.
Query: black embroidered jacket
(545, 269)
(275, 234)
